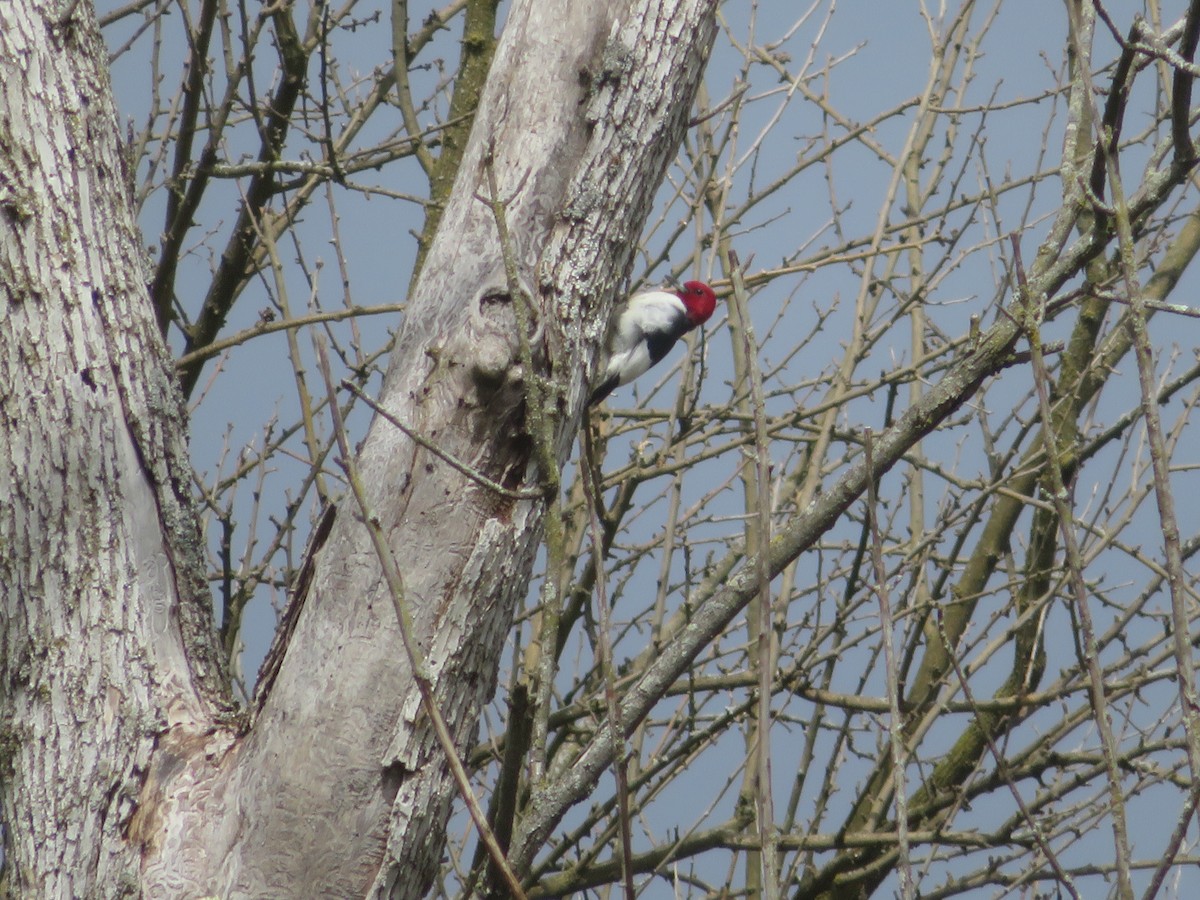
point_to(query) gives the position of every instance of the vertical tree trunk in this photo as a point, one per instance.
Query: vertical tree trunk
(107, 646)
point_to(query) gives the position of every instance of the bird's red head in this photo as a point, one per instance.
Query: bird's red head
(699, 299)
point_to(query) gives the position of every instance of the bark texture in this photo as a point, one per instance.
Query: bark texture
(107, 644)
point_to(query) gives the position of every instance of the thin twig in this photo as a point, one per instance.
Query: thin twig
(307, 417)
(1035, 826)
(892, 676)
(591, 489)
(1178, 309)
(264, 327)
(765, 644)
(1030, 310)
(1160, 461)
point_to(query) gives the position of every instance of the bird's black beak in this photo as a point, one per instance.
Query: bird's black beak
(672, 281)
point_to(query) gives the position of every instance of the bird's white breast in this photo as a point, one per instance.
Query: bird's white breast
(645, 313)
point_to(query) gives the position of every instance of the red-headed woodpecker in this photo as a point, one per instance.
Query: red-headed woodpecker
(645, 327)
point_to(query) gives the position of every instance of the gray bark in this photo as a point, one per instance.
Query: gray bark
(107, 645)
(338, 787)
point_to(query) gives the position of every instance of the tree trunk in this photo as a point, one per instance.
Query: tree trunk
(338, 787)
(108, 653)
(571, 160)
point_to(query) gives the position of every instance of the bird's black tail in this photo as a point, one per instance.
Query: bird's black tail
(606, 387)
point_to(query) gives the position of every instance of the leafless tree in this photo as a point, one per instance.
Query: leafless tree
(902, 611)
